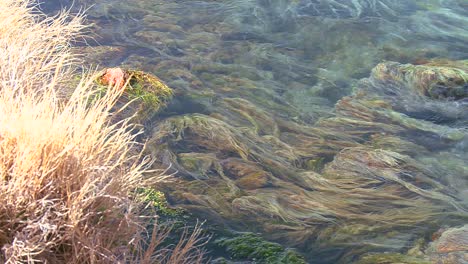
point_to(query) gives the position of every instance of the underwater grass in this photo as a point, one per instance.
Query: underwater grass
(328, 183)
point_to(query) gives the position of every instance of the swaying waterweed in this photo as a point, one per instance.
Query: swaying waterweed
(290, 133)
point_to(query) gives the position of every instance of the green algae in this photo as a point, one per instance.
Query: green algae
(144, 94)
(157, 200)
(153, 93)
(391, 258)
(249, 246)
(315, 164)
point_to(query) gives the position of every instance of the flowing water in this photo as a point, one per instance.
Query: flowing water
(284, 123)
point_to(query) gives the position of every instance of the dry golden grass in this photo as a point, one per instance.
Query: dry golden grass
(67, 175)
(188, 250)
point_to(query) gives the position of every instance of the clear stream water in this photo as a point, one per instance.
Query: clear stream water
(278, 126)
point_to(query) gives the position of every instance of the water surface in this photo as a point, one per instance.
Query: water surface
(279, 126)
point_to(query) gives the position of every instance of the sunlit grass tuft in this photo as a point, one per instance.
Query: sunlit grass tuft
(68, 176)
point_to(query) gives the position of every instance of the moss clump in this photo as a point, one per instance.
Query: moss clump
(149, 89)
(145, 93)
(315, 164)
(158, 201)
(252, 247)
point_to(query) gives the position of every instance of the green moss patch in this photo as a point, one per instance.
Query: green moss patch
(252, 247)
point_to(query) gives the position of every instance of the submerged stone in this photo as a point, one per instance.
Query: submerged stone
(443, 80)
(249, 176)
(451, 247)
(144, 94)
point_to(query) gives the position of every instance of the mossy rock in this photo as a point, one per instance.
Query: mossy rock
(144, 94)
(157, 200)
(437, 80)
(249, 246)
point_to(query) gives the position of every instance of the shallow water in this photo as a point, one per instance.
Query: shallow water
(279, 127)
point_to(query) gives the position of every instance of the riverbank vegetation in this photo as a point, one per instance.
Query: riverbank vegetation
(68, 175)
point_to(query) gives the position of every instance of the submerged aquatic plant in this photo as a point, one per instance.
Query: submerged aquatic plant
(371, 182)
(252, 247)
(280, 130)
